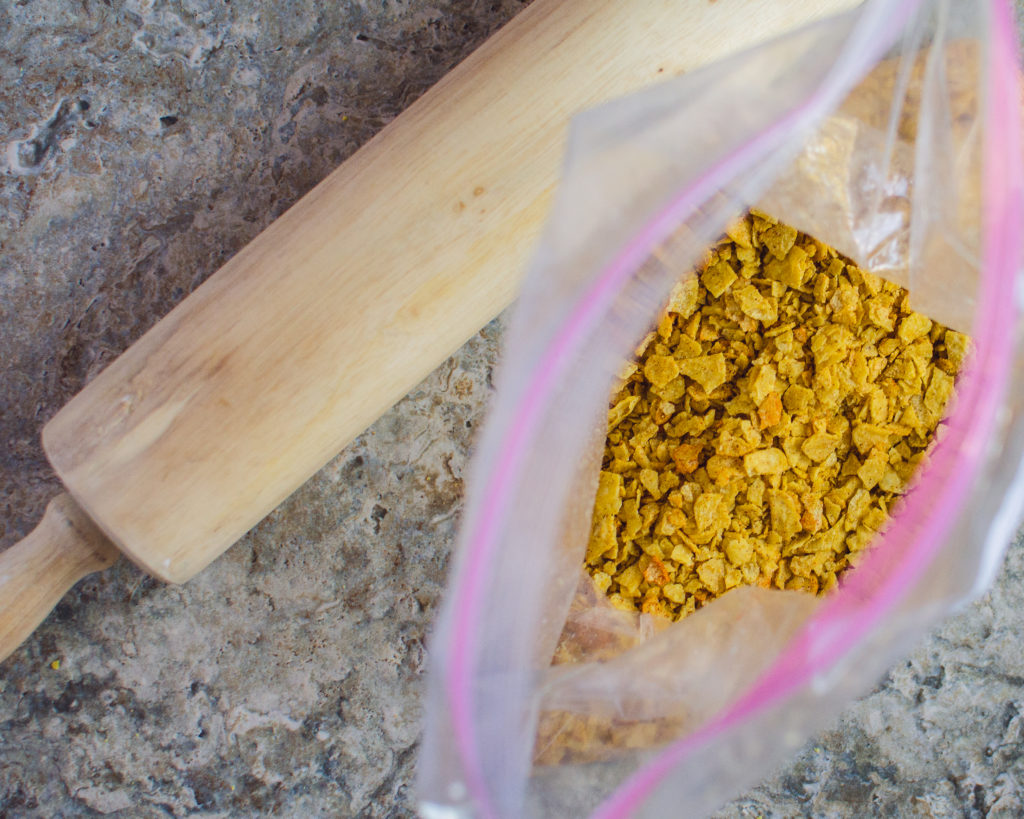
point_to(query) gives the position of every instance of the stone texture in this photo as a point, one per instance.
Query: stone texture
(145, 143)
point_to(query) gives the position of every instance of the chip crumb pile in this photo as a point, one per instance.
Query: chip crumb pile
(767, 426)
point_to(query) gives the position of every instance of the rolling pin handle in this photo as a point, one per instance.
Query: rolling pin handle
(37, 572)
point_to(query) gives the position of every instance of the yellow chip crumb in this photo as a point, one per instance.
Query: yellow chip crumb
(769, 461)
(819, 446)
(956, 347)
(738, 549)
(779, 239)
(609, 494)
(789, 271)
(769, 413)
(753, 304)
(717, 279)
(914, 326)
(707, 370)
(684, 298)
(873, 468)
(602, 539)
(675, 593)
(712, 574)
(686, 457)
(661, 369)
(620, 412)
(868, 436)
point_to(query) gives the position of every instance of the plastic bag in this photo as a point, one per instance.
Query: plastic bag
(891, 133)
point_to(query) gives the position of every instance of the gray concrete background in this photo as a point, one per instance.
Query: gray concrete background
(148, 141)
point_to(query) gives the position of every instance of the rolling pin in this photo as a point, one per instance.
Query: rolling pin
(354, 295)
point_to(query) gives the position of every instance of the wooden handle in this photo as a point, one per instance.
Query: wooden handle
(37, 572)
(353, 296)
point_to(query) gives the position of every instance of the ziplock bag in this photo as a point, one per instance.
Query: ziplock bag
(891, 133)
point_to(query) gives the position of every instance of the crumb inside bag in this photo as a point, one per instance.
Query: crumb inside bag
(767, 425)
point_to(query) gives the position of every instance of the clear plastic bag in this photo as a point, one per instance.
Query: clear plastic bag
(891, 133)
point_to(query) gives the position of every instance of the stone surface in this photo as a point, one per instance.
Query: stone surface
(145, 143)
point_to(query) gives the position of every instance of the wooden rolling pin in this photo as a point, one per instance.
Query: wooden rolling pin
(348, 300)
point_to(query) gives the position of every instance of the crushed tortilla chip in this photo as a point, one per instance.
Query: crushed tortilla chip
(779, 408)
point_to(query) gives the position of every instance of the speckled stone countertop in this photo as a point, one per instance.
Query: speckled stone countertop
(145, 143)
